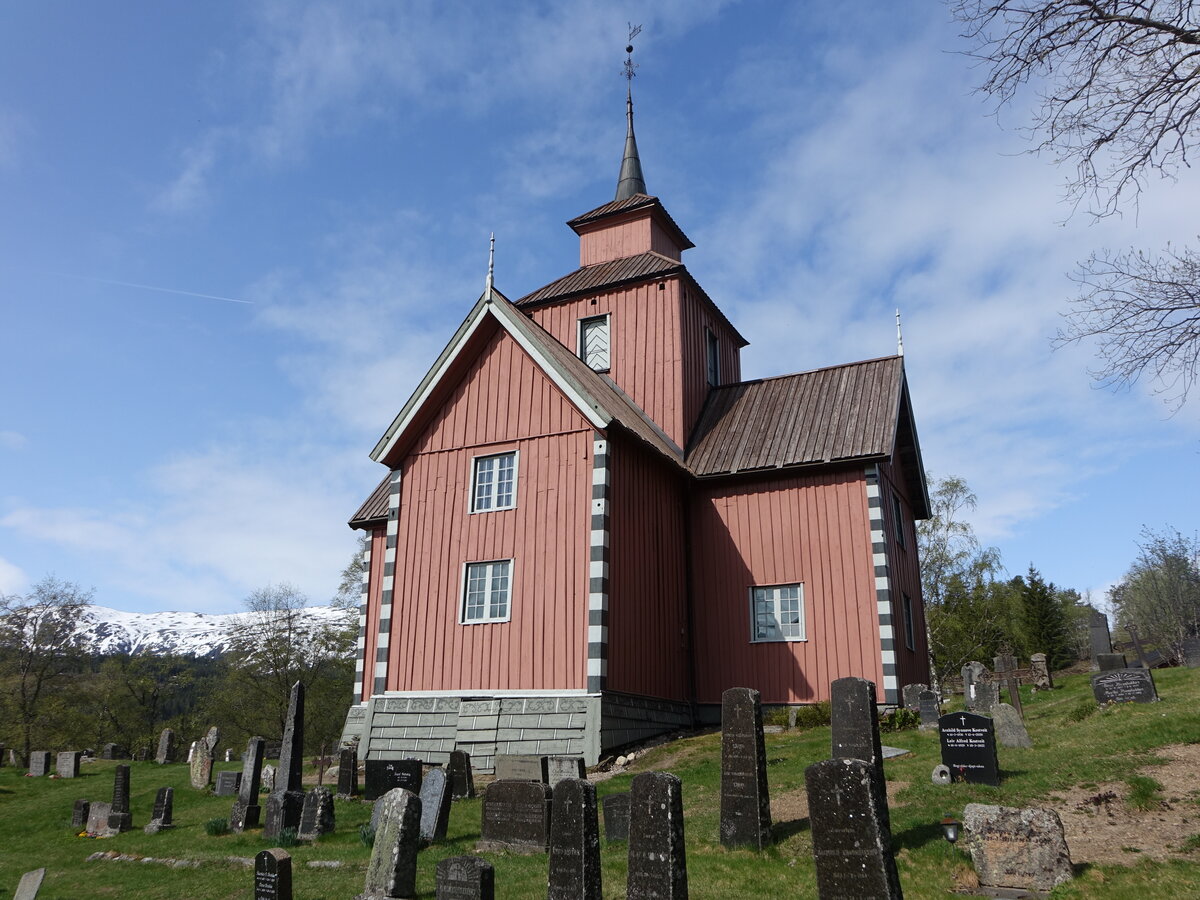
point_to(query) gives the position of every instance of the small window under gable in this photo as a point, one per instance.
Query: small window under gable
(494, 482)
(487, 590)
(777, 613)
(712, 358)
(594, 342)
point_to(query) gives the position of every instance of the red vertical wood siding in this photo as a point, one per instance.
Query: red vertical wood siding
(503, 402)
(904, 571)
(616, 240)
(696, 318)
(814, 530)
(647, 610)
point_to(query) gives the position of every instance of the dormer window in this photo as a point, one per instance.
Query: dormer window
(713, 358)
(594, 342)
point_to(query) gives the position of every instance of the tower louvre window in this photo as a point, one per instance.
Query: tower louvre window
(594, 342)
(712, 357)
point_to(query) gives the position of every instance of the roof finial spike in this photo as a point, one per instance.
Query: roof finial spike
(899, 336)
(630, 181)
(491, 268)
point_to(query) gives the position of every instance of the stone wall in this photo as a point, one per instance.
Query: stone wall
(627, 718)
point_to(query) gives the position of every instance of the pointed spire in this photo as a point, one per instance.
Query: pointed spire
(489, 284)
(630, 181)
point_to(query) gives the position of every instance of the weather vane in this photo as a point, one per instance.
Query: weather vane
(630, 65)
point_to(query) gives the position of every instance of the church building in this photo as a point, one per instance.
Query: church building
(591, 526)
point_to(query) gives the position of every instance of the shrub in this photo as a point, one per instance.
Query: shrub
(900, 719)
(366, 834)
(216, 827)
(287, 837)
(1144, 793)
(1082, 710)
(776, 716)
(814, 716)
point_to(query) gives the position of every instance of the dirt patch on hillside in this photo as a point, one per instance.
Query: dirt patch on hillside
(1102, 828)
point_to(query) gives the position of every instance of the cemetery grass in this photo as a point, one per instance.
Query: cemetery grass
(1111, 746)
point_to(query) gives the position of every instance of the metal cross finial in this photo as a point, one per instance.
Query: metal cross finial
(491, 266)
(630, 65)
(899, 336)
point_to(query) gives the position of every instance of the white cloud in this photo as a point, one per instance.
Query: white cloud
(13, 579)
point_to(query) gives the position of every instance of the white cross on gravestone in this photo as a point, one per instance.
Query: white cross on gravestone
(963, 719)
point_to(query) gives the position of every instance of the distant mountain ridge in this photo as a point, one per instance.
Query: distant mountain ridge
(111, 631)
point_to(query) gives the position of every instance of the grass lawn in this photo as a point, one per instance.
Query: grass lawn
(1072, 749)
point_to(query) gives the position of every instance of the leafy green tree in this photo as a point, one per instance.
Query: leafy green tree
(139, 695)
(1160, 593)
(1045, 621)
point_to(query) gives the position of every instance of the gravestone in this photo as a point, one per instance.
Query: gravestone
(39, 762)
(392, 871)
(120, 818)
(745, 800)
(166, 747)
(1017, 848)
(228, 784)
(141, 754)
(574, 842)
(1111, 662)
(2, 754)
(1191, 652)
(987, 695)
(286, 803)
(383, 775)
(268, 778)
(657, 859)
(465, 878)
(517, 767)
(31, 883)
(97, 822)
(560, 767)
(1041, 672)
(79, 815)
(1124, 686)
(1101, 639)
(1006, 671)
(435, 806)
(316, 818)
(66, 765)
(912, 695)
(851, 841)
(347, 773)
(202, 759)
(972, 673)
(246, 811)
(616, 818)
(274, 749)
(968, 743)
(114, 751)
(462, 779)
(516, 816)
(930, 709)
(1010, 729)
(164, 803)
(273, 875)
(855, 727)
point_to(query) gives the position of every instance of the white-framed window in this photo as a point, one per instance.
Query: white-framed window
(594, 342)
(487, 592)
(494, 482)
(777, 613)
(907, 610)
(898, 518)
(712, 349)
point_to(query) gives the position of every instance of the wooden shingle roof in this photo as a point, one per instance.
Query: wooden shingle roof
(374, 508)
(603, 276)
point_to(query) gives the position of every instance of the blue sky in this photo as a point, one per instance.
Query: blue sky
(327, 175)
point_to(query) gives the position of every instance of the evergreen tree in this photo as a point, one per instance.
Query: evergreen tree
(1046, 628)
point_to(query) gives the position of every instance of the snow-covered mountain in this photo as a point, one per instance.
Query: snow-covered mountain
(112, 631)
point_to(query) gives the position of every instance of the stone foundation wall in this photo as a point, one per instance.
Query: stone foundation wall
(627, 718)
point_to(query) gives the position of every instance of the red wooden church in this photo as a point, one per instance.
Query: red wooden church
(591, 526)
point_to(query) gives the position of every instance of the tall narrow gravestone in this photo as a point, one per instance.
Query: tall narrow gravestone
(745, 801)
(286, 803)
(164, 804)
(435, 806)
(968, 743)
(67, 764)
(202, 759)
(166, 747)
(273, 875)
(574, 842)
(119, 817)
(1191, 652)
(851, 841)
(462, 779)
(855, 727)
(246, 812)
(465, 878)
(392, 871)
(657, 860)
(347, 773)
(516, 816)
(1101, 638)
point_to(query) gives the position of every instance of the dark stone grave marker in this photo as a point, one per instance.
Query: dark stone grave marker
(114, 751)
(968, 744)
(1010, 729)
(67, 764)
(79, 815)
(435, 806)
(246, 811)
(201, 759)
(97, 822)
(465, 878)
(745, 801)
(616, 818)
(39, 762)
(574, 842)
(851, 842)
(1191, 652)
(516, 767)
(274, 749)
(1124, 686)
(930, 709)
(855, 726)
(273, 875)
(1021, 849)
(1006, 670)
(987, 695)
(657, 859)
(164, 804)
(972, 673)
(228, 784)
(1111, 662)
(392, 871)
(120, 818)
(912, 695)
(516, 816)
(1101, 639)
(1041, 672)
(316, 818)
(286, 803)
(31, 883)
(384, 775)
(347, 773)
(462, 779)
(560, 767)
